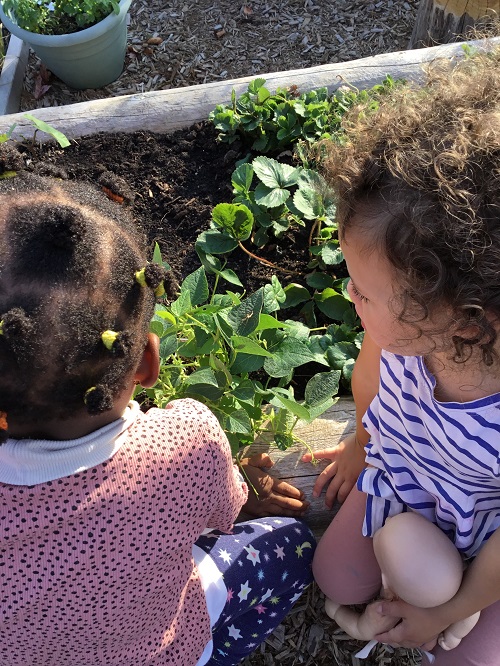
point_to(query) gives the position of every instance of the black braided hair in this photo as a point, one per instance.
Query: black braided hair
(68, 260)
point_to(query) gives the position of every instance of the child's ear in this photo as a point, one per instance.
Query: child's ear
(149, 367)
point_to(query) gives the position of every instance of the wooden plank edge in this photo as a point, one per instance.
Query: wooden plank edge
(168, 110)
(12, 75)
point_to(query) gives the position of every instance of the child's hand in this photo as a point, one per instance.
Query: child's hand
(275, 497)
(419, 627)
(348, 463)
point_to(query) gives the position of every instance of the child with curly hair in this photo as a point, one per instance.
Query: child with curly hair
(418, 187)
(116, 526)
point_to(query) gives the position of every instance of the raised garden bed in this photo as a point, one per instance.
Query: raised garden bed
(175, 186)
(175, 180)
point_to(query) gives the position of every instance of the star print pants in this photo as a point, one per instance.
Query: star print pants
(265, 564)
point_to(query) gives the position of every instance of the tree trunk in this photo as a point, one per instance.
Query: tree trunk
(444, 21)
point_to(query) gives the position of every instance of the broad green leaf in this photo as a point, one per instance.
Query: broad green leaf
(332, 304)
(316, 410)
(163, 313)
(242, 177)
(203, 376)
(319, 280)
(270, 198)
(7, 174)
(238, 422)
(245, 391)
(287, 355)
(274, 295)
(231, 277)
(216, 242)
(197, 286)
(331, 253)
(245, 363)
(275, 174)
(309, 203)
(290, 404)
(182, 304)
(255, 85)
(322, 386)
(156, 327)
(295, 294)
(262, 95)
(267, 322)
(61, 139)
(244, 318)
(340, 352)
(235, 219)
(168, 346)
(248, 346)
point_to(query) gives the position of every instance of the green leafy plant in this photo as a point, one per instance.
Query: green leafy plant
(58, 17)
(284, 195)
(269, 123)
(42, 126)
(231, 352)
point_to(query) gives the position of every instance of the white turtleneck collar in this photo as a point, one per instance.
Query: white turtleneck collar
(26, 462)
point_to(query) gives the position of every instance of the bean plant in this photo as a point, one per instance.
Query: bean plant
(234, 353)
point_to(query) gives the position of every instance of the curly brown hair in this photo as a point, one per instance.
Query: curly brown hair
(421, 175)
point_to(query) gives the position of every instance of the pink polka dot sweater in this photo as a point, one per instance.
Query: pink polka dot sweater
(96, 568)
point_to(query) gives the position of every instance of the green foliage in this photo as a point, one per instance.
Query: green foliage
(233, 353)
(60, 16)
(6, 135)
(41, 125)
(269, 122)
(283, 195)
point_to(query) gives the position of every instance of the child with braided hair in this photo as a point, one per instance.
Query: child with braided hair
(117, 544)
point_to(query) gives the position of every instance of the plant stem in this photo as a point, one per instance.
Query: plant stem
(268, 263)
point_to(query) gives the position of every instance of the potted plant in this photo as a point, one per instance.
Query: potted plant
(82, 42)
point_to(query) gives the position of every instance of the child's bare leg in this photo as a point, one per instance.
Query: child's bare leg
(423, 567)
(344, 565)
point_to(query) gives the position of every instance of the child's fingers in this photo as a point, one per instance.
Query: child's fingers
(260, 460)
(323, 478)
(287, 506)
(321, 455)
(284, 488)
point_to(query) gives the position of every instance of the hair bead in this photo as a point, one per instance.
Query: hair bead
(140, 277)
(118, 343)
(98, 399)
(109, 338)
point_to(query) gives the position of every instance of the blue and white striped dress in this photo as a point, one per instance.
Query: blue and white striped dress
(440, 459)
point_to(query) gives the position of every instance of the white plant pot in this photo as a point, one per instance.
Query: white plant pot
(90, 58)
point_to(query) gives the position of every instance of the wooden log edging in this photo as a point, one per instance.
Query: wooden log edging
(168, 110)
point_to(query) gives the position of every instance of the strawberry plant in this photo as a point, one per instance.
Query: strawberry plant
(270, 123)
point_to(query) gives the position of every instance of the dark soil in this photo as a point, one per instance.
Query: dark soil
(172, 182)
